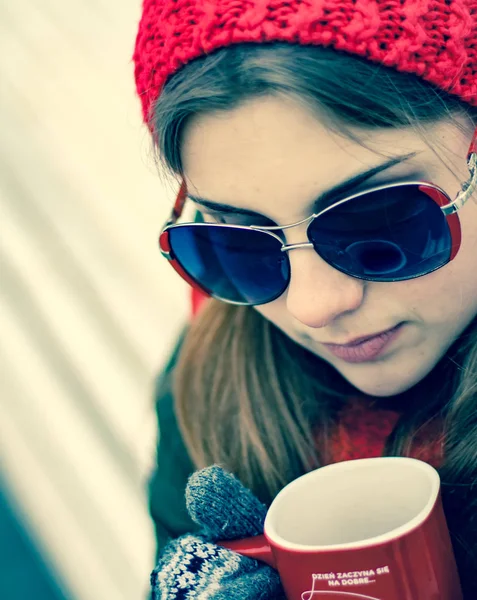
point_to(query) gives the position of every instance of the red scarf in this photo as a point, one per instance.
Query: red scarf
(363, 428)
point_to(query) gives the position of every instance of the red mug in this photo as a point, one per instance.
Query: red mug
(369, 529)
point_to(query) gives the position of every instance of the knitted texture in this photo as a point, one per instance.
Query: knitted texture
(208, 496)
(434, 39)
(363, 428)
(192, 566)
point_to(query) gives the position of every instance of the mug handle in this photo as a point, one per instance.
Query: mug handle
(255, 547)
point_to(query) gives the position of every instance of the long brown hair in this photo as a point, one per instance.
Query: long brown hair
(246, 395)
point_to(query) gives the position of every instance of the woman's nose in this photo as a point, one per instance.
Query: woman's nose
(318, 293)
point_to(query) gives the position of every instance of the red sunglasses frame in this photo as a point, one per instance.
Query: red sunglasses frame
(448, 207)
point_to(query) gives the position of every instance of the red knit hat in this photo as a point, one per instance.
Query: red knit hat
(435, 39)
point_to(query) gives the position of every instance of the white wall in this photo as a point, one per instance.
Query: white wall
(88, 307)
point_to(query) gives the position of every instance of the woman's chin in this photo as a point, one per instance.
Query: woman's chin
(383, 380)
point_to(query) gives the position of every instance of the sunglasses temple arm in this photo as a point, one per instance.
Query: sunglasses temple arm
(179, 203)
(473, 145)
(164, 244)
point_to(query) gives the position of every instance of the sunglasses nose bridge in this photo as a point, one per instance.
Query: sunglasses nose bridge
(275, 229)
(287, 247)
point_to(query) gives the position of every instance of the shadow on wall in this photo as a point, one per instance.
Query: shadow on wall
(23, 574)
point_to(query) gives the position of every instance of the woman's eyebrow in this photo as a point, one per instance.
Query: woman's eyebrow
(330, 195)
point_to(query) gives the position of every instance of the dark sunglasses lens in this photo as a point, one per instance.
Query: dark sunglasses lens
(388, 235)
(234, 264)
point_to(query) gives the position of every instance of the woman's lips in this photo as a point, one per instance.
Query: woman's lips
(367, 349)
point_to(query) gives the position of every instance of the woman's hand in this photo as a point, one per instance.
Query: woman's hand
(193, 566)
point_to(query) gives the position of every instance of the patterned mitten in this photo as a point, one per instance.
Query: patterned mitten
(194, 567)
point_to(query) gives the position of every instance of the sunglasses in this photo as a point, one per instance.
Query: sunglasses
(388, 233)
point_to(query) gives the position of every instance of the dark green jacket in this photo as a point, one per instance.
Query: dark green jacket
(167, 484)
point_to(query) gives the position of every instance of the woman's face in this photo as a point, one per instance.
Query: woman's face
(274, 157)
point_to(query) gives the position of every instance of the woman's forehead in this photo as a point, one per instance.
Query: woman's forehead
(273, 148)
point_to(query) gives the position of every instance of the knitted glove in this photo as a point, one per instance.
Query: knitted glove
(193, 567)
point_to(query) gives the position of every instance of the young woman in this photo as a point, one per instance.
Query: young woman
(330, 151)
